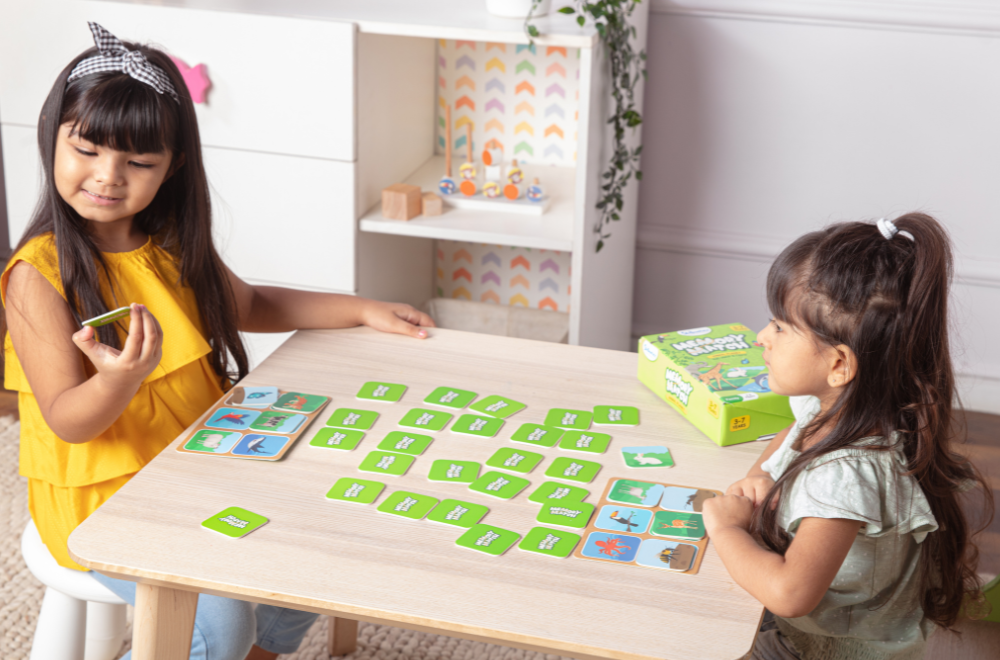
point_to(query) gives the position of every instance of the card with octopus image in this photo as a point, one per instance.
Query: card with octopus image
(632, 527)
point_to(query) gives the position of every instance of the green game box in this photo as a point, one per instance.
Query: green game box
(717, 379)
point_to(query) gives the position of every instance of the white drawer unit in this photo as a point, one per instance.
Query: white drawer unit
(22, 174)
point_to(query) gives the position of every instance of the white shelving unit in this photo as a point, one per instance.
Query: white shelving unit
(322, 97)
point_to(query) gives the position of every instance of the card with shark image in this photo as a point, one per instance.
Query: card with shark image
(252, 397)
(259, 445)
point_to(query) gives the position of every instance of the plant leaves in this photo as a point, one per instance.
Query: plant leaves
(567, 10)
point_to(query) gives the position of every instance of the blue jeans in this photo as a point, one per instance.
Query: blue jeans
(225, 629)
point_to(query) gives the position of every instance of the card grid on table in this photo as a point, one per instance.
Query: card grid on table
(647, 549)
(239, 427)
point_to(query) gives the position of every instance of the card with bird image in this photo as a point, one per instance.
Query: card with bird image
(678, 525)
(234, 522)
(232, 419)
(566, 514)
(552, 492)
(549, 542)
(611, 547)
(385, 462)
(378, 391)
(425, 420)
(212, 442)
(359, 491)
(352, 418)
(278, 422)
(450, 397)
(589, 442)
(569, 419)
(514, 460)
(504, 486)
(459, 472)
(480, 426)
(300, 402)
(333, 438)
(678, 498)
(252, 397)
(652, 456)
(573, 469)
(669, 555)
(408, 505)
(615, 518)
(458, 513)
(629, 491)
(261, 446)
(538, 435)
(488, 539)
(497, 406)
(616, 415)
(405, 442)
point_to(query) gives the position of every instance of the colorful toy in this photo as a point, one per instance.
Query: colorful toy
(515, 174)
(512, 191)
(401, 201)
(447, 185)
(491, 189)
(535, 192)
(468, 168)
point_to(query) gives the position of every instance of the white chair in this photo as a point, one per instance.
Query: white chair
(81, 619)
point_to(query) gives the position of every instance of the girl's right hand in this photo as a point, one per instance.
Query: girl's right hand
(755, 487)
(137, 359)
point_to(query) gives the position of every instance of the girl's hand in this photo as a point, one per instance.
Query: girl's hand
(727, 511)
(397, 318)
(138, 357)
(755, 487)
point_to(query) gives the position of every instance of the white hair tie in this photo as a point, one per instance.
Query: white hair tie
(889, 230)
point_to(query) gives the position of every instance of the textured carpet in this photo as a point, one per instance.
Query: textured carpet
(21, 595)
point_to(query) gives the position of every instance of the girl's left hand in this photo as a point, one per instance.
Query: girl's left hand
(727, 511)
(398, 318)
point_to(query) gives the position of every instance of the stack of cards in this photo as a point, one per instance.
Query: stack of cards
(259, 423)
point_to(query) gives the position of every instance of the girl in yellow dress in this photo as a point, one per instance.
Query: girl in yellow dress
(124, 217)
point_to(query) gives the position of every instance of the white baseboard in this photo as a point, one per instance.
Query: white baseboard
(979, 393)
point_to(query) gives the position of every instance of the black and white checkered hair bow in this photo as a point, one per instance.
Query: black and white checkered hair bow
(115, 57)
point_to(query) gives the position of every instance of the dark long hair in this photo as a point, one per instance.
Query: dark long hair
(114, 110)
(887, 300)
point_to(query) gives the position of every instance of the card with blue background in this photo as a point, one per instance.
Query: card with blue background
(259, 445)
(252, 397)
(232, 419)
(613, 547)
(671, 555)
(623, 519)
(278, 422)
(212, 442)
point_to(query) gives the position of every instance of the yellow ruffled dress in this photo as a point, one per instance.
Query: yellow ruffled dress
(67, 482)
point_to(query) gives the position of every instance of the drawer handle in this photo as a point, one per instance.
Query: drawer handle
(196, 79)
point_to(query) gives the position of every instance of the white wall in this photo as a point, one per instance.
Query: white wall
(763, 125)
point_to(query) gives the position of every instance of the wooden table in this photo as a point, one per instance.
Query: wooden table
(354, 563)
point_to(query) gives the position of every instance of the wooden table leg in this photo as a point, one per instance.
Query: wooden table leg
(343, 636)
(163, 623)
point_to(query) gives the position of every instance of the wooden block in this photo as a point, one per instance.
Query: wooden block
(401, 201)
(432, 204)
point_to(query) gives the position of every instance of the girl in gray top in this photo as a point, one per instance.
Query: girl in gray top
(848, 529)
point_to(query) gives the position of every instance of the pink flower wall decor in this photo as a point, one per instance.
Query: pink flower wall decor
(195, 78)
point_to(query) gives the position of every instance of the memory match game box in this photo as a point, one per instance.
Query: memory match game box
(715, 377)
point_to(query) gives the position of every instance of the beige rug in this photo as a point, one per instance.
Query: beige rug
(21, 595)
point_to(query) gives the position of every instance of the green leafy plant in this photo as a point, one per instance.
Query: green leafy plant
(611, 20)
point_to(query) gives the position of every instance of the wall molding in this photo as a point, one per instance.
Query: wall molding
(974, 271)
(977, 17)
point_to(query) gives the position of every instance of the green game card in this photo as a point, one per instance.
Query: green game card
(573, 469)
(234, 522)
(361, 491)
(504, 486)
(515, 460)
(538, 435)
(458, 513)
(408, 505)
(405, 442)
(451, 397)
(549, 542)
(678, 524)
(459, 472)
(299, 402)
(649, 456)
(351, 418)
(426, 420)
(477, 425)
(587, 441)
(378, 391)
(566, 514)
(386, 462)
(565, 418)
(489, 539)
(616, 415)
(497, 406)
(552, 492)
(343, 439)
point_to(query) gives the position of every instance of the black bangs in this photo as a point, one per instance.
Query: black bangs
(113, 110)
